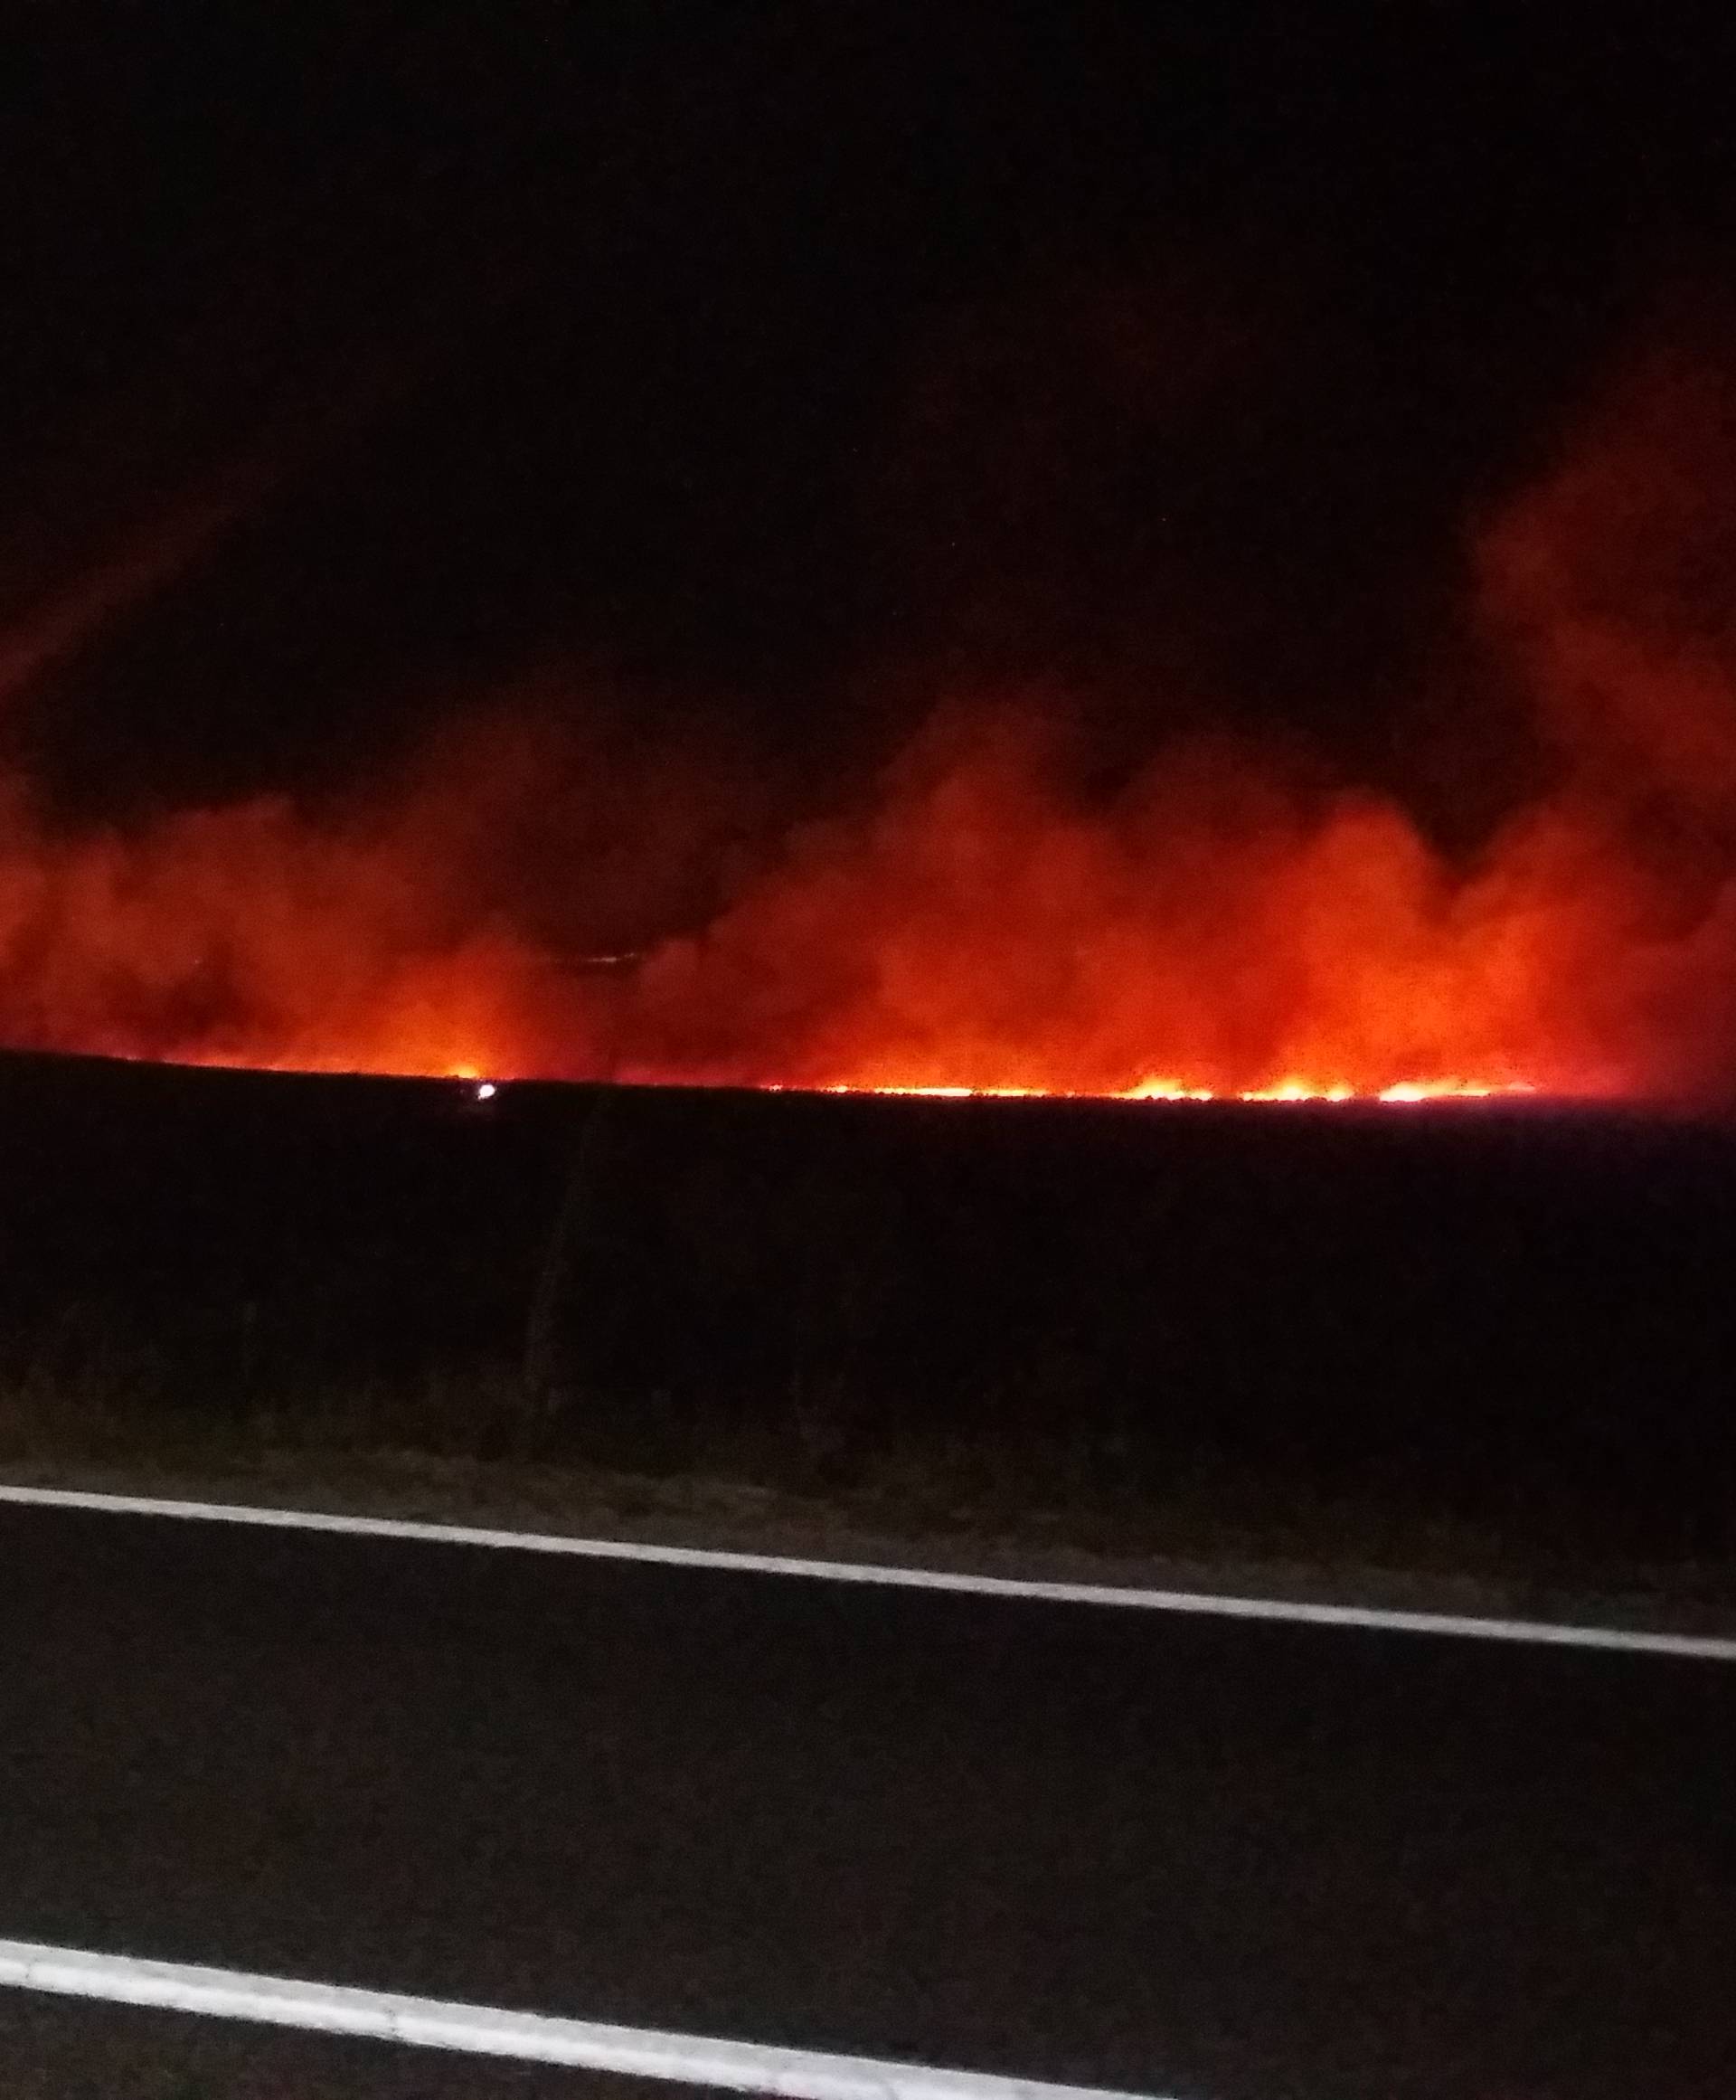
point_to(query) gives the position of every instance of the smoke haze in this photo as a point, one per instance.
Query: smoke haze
(989, 911)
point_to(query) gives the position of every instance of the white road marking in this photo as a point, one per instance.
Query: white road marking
(485, 2031)
(1620, 1640)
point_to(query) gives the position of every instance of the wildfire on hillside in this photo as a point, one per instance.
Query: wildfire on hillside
(980, 924)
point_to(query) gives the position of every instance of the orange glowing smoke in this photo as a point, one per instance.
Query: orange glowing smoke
(978, 925)
(1209, 933)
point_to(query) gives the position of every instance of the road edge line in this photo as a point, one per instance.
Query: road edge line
(792, 2074)
(1285, 1611)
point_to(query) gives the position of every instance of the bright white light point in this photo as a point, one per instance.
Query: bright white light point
(486, 1090)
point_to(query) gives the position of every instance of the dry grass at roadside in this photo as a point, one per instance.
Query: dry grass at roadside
(941, 1502)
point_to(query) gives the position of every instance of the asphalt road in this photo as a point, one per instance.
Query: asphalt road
(1191, 1856)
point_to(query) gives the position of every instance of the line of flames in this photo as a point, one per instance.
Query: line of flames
(1294, 1089)
(1284, 1090)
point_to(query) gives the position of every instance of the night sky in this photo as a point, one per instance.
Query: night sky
(762, 369)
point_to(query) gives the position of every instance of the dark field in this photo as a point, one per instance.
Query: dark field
(1508, 1322)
